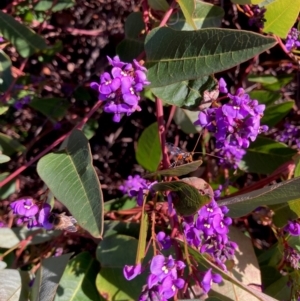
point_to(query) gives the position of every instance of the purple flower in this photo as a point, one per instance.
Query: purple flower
(208, 280)
(293, 228)
(223, 86)
(24, 207)
(132, 183)
(292, 40)
(136, 187)
(121, 88)
(170, 285)
(258, 16)
(43, 217)
(131, 271)
(235, 124)
(19, 104)
(164, 240)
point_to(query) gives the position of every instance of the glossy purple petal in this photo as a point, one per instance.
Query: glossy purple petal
(131, 271)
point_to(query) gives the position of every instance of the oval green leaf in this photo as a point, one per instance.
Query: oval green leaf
(175, 56)
(148, 152)
(133, 44)
(280, 16)
(10, 237)
(264, 155)
(24, 39)
(188, 7)
(205, 15)
(9, 146)
(185, 120)
(188, 94)
(44, 5)
(10, 285)
(53, 108)
(72, 179)
(48, 276)
(178, 170)
(5, 71)
(276, 112)
(111, 282)
(78, 280)
(275, 194)
(186, 198)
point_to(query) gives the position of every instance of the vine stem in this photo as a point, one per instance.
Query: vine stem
(50, 147)
(158, 102)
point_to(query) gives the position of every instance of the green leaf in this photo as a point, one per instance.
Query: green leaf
(4, 158)
(276, 112)
(275, 194)
(10, 237)
(133, 44)
(9, 188)
(44, 5)
(118, 227)
(53, 108)
(78, 280)
(6, 77)
(296, 159)
(279, 289)
(188, 7)
(205, 15)
(3, 109)
(285, 211)
(243, 2)
(185, 120)
(110, 282)
(265, 96)
(24, 39)
(178, 171)
(48, 277)
(10, 285)
(188, 55)
(9, 146)
(148, 152)
(265, 155)
(280, 16)
(189, 94)
(158, 4)
(271, 82)
(190, 194)
(120, 204)
(72, 179)
(142, 242)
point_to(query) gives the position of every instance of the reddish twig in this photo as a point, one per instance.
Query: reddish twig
(50, 147)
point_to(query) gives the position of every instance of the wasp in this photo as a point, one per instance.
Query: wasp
(63, 222)
(178, 155)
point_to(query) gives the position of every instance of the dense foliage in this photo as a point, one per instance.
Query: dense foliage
(187, 113)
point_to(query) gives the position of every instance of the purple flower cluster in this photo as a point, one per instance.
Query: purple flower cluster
(293, 228)
(289, 135)
(292, 40)
(163, 281)
(121, 88)
(31, 214)
(208, 233)
(234, 124)
(258, 16)
(291, 256)
(136, 186)
(19, 104)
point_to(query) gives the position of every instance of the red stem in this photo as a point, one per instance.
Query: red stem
(50, 147)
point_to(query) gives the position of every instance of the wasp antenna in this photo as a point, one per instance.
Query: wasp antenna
(197, 143)
(206, 154)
